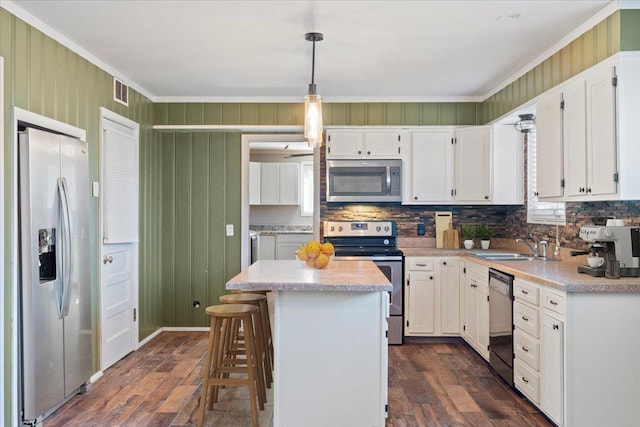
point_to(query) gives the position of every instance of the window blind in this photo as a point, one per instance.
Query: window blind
(120, 184)
(540, 212)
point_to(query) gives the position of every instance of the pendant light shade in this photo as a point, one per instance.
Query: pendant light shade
(313, 102)
(526, 123)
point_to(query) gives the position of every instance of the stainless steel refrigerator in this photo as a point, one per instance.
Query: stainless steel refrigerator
(55, 291)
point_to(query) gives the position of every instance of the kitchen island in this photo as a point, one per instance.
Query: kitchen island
(330, 344)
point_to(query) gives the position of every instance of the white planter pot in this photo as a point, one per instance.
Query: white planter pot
(485, 244)
(468, 244)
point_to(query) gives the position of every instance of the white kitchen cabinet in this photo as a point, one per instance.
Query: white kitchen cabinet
(254, 183)
(289, 180)
(552, 370)
(266, 247)
(574, 122)
(432, 296)
(475, 297)
(473, 164)
(288, 244)
(279, 183)
(598, 124)
(428, 167)
(420, 296)
(354, 143)
(549, 154)
(449, 276)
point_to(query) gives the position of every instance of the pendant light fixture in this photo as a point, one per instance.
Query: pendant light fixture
(313, 101)
(526, 123)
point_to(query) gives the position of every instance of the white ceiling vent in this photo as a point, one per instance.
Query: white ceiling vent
(120, 92)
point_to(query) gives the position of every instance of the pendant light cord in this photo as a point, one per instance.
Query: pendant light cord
(313, 63)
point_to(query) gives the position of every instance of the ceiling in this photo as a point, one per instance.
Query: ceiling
(380, 50)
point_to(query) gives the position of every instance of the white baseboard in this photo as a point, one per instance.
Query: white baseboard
(95, 377)
(149, 338)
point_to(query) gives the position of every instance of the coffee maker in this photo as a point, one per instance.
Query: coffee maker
(619, 246)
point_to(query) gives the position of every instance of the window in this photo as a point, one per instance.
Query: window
(306, 208)
(539, 212)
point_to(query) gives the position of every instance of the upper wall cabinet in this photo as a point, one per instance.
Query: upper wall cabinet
(471, 165)
(279, 183)
(363, 143)
(428, 167)
(549, 164)
(587, 143)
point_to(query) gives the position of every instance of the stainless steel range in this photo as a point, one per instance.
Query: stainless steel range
(375, 241)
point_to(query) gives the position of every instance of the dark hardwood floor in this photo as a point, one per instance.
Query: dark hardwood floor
(430, 384)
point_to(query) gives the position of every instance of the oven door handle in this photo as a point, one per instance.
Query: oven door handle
(369, 258)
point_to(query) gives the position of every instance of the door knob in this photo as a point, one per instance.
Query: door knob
(110, 259)
(105, 260)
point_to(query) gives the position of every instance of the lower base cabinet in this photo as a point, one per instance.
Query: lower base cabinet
(432, 296)
(475, 297)
(552, 343)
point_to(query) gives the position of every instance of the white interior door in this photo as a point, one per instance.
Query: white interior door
(119, 250)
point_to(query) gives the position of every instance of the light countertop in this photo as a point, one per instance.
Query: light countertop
(285, 275)
(562, 275)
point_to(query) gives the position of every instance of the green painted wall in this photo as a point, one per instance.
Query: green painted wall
(353, 114)
(201, 193)
(46, 78)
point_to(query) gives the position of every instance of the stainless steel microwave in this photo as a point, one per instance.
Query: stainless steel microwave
(364, 181)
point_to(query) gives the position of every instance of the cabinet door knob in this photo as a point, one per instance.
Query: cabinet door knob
(444, 262)
(105, 259)
(526, 319)
(368, 152)
(415, 197)
(581, 189)
(486, 197)
(555, 326)
(589, 190)
(359, 152)
(430, 277)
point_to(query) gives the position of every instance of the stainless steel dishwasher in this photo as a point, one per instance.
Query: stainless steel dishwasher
(501, 324)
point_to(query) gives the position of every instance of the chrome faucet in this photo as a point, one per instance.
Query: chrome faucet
(534, 248)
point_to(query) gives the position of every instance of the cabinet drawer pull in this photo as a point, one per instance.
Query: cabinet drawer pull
(526, 319)
(555, 326)
(525, 380)
(524, 292)
(552, 302)
(420, 265)
(525, 349)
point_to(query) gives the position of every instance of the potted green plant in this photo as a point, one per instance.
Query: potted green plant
(468, 234)
(484, 233)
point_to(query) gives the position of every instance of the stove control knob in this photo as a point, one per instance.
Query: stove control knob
(386, 228)
(608, 233)
(340, 228)
(332, 228)
(385, 241)
(378, 228)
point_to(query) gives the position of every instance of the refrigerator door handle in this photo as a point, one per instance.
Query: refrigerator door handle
(67, 255)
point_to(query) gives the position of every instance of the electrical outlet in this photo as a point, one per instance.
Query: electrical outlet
(421, 230)
(95, 188)
(229, 230)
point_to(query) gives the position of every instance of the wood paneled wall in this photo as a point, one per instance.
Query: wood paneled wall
(352, 114)
(47, 78)
(201, 193)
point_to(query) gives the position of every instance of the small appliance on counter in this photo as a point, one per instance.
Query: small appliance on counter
(619, 246)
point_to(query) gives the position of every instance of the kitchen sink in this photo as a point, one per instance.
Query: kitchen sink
(506, 256)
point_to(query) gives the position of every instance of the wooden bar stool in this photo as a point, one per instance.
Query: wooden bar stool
(218, 364)
(264, 355)
(264, 312)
